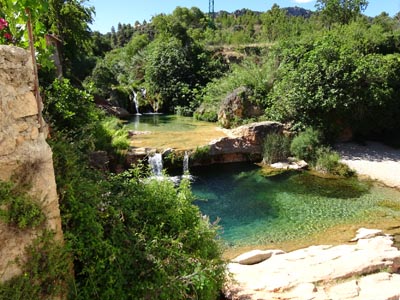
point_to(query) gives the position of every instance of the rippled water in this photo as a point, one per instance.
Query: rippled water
(254, 209)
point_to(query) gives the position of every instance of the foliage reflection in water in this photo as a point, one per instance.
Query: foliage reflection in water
(254, 209)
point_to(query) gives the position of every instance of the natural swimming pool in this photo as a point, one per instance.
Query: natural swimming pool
(257, 210)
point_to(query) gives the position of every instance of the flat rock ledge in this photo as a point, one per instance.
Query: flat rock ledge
(366, 269)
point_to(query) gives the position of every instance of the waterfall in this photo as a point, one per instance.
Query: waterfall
(156, 164)
(186, 164)
(135, 101)
(144, 92)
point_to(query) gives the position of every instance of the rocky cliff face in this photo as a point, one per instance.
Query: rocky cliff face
(24, 154)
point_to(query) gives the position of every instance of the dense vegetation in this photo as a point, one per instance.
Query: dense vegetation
(334, 69)
(131, 238)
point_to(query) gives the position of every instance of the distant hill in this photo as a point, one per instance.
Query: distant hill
(298, 12)
(292, 11)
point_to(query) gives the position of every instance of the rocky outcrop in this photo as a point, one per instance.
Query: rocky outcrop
(365, 270)
(239, 145)
(290, 164)
(117, 111)
(238, 106)
(24, 154)
(243, 143)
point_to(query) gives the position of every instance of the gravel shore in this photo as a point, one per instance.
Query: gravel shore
(375, 160)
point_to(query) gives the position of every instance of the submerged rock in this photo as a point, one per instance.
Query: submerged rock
(322, 272)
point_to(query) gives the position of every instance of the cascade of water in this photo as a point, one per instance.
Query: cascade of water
(156, 164)
(135, 101)
(144, 92)
(186, 163)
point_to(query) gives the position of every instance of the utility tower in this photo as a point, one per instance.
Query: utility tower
(211, 9)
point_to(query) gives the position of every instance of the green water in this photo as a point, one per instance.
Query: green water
(162, 123)
(254, 209)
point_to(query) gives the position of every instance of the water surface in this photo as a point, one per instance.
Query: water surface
(172, 131)
(253, 209)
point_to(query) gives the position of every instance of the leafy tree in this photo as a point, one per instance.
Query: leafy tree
(256, 76)
(103, 78)
(175, 70)
(68, 108)
(17, 14)
(274, 23)
(335, 82)
(341, 11)
(168, 71)
(69, 20)
(184, 24)
(100, 44)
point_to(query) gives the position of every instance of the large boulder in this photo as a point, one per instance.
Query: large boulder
(117, 111)
(243, 143)
(236, 106)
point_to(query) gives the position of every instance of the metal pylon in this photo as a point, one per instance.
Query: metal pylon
(211, 9)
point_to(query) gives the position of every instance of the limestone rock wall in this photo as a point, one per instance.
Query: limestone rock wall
(24, 153)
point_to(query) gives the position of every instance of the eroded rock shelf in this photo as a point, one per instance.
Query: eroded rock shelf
(366, 269)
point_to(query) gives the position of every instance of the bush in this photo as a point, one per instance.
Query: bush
(340, 79)
(257, 77)
(183, 111)
(45, 274)
(305, 145)
(18, 208)
(116, 131)
(206, 113)
(201, 153)
(68, 108)
(276, 147)
(328, 162)
(133, 238)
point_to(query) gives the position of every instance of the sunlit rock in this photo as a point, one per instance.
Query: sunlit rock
(323, 272)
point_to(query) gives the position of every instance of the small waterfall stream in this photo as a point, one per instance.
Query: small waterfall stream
(136, 102)
(186, 164)
(156, 164)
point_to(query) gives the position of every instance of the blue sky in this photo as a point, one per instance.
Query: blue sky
(111, 12)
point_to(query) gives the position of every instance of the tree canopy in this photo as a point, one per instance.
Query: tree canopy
(341, 11)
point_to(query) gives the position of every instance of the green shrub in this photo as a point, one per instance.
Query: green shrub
(68, 108)
(183, 111)
(201, 153)
(46, 272)
(18, 208)
(305, 145)
(276, 147)
(134, 238)
(206, 115)
(328, 162)
(114, 129)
